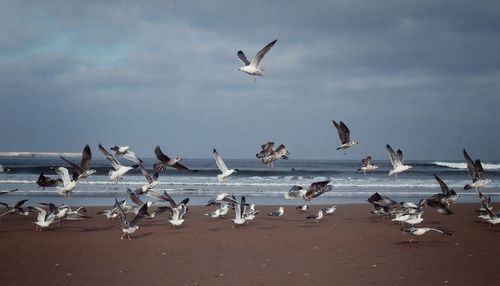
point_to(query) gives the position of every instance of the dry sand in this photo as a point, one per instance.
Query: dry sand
(350, 247)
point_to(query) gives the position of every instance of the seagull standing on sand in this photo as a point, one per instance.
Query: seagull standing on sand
(396, 161)
(476, 173)
(68, 183)
(120, 169)
(417, 231)
(366, 165)
(329, 210)
(178, 210)
(252, 68)
(239, 210)
(167, 161)
(226, 172)
(277, 213)
(83, 170)
(317, 216)
(344, 135)
(126, 152)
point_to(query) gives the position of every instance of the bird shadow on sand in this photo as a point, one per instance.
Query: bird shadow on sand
(493, 229)
(424, 242)
(142, 235)
(309, 225)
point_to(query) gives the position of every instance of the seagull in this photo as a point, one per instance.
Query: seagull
(167, 161)
(344, 135)
(303, 208)
(44, 182)
(277, 213)
(130, 227)
(447, 195)
(68, 183)
(476, 173)
(485, 204)
(494, 218)
(6, 192)
(413, 208)
(83, 169)
(417, 231)
(126, 152)
(268, 155)
(329, 210)
(120, 169)
(153, 181)
(43, 220)
(252, 68)
(396, 161)
(16, 207)
(239, 210)
(177, 210)
(113, 212)
(214, 214)
(439, 206)
(317, 216)
(366, 165)
(313, 191)
(226, 172)
(75, 214)
(4, 169)
(382, 204)
(250, 213)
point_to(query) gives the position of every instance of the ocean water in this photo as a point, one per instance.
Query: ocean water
(259, 183)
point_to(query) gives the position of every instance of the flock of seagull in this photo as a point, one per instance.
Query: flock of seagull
(408, 213)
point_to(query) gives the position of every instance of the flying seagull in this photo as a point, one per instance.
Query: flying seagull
(314, 190)
(153, 180)
(45, 181)
(447, 195)
(4, 169)
(239, 210)
(178, 210)
(43, 219)
(493, 218)
(344, 135)
(366, 165)
(83, 170)
(268, 155)
(126, 152)
(120, 169)
(417, 231)
(396, 161)
(167, 161)
(252, 68)
(16, 207)
(226, 172)
(476, 173)
(130, 227)
(6, 192)
(68, 183)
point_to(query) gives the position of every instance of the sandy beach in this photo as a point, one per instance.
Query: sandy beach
(350, 247)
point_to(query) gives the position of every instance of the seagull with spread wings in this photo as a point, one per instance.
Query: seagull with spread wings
(396, 161)
(226, 172)
(476, 173)
(344, 135)
(126, 152)
(366, 165)
(120, 170)
(167, 161)
(83, 170)
(252, 67)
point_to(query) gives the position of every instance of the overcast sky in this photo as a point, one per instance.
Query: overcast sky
(423, 76)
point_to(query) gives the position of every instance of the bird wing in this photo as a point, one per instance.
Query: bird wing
(134, 198)
(220, 162)
(444, 187)
(143, 211)
(479, 169)
(182, 211)
(400, 155)
(130, 155)
(243, 58)
(393, 156)
(340, 132)
(144, 172)
(63, 172)
(470, 166)
(86, 157)
(180, 167)
(166, 197)
(346, 132)
(260, 54)
(295, 192)
(160, 156)
(117, 165)
(77, 168)
(20, 203)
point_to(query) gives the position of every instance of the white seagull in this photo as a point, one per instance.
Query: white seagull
(226, 172)
(43, 220)
(344, 135)
(252, 68)
(126, 152)
(329, 210)
(130, 227)
(317, 216)
(120, 169)
(68, 183)
(366, 165)
(83, 169)
(277, 213)
(417, 231)
(239, 210)
(396, 161)
(476, 173)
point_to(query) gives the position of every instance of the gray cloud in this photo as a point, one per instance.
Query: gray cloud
(421, 75)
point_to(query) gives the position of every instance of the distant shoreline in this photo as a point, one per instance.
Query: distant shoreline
(39, 154)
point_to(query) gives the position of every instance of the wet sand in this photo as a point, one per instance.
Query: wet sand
(350, 247)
